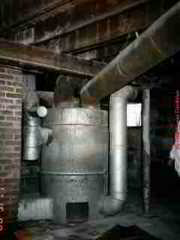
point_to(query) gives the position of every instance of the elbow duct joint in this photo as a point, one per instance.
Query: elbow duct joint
(110, 206)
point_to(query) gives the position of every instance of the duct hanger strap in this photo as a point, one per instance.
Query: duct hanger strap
(72, 173)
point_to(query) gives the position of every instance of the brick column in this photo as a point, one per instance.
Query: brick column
(11, 80)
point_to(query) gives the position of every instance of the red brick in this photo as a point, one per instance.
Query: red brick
(17, 137)
(13, 119)
(18, 113)
(2, 82)
(19, 90)
(16, 143)
(6, 124)
(19, 101)
(17, 149)
(14, 83)
(6, 136)
(5, 161)
(14, 71)
(6, 76)
(13, 95)
(2, 94)
(4, 173)
(8, 155)
(10, 131)
(5, 148)
(7, 89)
(8, 167)
(13, 107)
(6, 100)
(17, 125)
(2, 69)
(6, 112)
(11, 181)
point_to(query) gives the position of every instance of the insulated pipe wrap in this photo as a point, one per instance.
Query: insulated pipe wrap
(157, 43)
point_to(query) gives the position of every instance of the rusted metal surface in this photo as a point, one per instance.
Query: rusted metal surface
(146, 151)
(34, 57)
(157, 43)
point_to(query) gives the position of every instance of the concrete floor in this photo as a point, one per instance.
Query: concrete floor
(163, 222)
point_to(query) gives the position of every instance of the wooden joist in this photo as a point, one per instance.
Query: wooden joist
(37, 58)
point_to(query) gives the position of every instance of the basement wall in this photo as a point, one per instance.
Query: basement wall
(163, 124)
(10, 141)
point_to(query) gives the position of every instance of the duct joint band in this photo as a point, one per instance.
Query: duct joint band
(72, 174)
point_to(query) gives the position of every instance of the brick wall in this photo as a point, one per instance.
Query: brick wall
(10, 141)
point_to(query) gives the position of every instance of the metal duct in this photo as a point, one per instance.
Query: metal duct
(34, 136)
(156, 44)
(118, 151)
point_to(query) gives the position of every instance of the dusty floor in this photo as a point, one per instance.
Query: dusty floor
(163, 221)
(164, 228)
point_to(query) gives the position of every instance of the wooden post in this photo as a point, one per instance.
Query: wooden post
(146, 151)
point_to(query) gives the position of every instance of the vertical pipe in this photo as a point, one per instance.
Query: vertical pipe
(112, 204)
(146, 151)
(118, 146)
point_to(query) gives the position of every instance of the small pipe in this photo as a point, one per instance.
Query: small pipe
(157, 43)
(146, 151)
(118, 151)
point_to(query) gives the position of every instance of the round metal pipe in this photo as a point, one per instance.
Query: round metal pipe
(112, 204)
(32, 138)
(157, 43)
(118, 146)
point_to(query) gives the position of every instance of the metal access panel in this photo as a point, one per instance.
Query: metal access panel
(77, 212)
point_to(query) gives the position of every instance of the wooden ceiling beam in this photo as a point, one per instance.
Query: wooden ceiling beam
(46, 60)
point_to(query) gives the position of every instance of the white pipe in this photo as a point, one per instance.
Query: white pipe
(118, 151)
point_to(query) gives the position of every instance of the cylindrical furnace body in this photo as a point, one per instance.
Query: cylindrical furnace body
(75, 162)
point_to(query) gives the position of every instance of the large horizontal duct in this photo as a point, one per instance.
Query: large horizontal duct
(157, 43)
